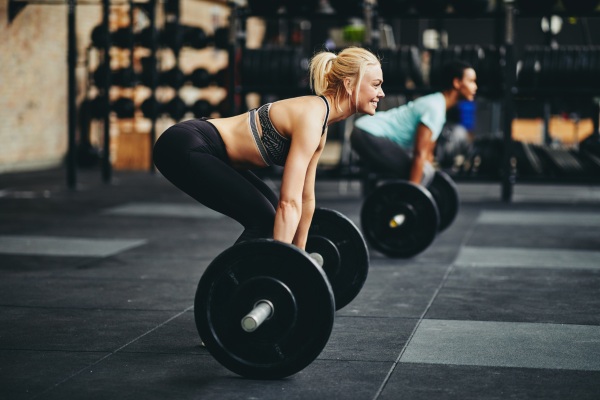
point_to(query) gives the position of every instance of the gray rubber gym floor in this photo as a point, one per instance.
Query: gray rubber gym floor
(97, 287)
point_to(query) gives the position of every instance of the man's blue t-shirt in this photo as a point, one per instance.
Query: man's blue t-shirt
(399, 124)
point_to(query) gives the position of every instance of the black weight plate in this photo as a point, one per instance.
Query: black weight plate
(444, 191)
(344, 251)
(302, 299)
(397, 239)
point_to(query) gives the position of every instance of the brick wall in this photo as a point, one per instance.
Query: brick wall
(33, 78)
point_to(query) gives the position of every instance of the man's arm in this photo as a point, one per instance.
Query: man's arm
(422, 153)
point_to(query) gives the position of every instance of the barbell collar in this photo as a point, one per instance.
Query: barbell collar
(262, 311)
(318, 258)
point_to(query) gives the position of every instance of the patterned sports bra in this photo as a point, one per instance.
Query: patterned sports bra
(273, 147)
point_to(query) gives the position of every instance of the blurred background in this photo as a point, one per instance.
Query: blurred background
(93, 83)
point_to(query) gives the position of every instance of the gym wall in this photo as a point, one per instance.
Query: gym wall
(33, 78)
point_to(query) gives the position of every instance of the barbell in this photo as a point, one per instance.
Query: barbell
(401, 219)
(265, 309)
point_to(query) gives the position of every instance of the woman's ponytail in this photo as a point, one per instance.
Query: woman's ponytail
(318, 68)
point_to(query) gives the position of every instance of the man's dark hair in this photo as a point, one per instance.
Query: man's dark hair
(452, 70)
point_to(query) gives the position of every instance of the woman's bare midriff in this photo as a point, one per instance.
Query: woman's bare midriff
(239, 142)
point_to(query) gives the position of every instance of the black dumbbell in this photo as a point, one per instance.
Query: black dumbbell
(176, 108)
(175, 36)
(265, 309)
(122, 37)
(202, 108)
(173, 77)
(195, 37)
(98, 107)
(401, 219)
(123, 77)
(176, 78)
(201, 78)
(123, 107)
(221, 37)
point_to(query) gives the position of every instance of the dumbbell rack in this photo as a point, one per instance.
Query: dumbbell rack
(154, 78)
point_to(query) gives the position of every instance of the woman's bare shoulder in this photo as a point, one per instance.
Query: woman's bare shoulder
(298, 113)
(300, 105)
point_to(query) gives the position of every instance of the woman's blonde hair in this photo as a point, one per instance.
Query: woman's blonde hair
(328, 71)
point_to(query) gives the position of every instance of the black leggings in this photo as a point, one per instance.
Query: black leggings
(380, 154)
(192, 155)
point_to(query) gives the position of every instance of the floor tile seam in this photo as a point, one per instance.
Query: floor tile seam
(38, 307)
(174, 353)
(119, 349)
(494, 366)
(93, 278)
(530, 288)
(375, 317)
(352, 360)
(511, 322)
(43, 350)
(521, 266)
(384, 262)
(412, 334)
(537, 225)
(447, 273)
(552, 249)
(98, 259)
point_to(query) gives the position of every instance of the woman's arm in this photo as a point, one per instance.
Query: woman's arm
(298, 173)
(309, 198)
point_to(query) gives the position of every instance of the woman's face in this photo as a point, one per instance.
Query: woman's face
(370, 90)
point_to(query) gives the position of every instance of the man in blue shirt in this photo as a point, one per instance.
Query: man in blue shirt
(402, 140)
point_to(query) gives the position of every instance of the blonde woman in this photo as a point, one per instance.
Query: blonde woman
(211, 159)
